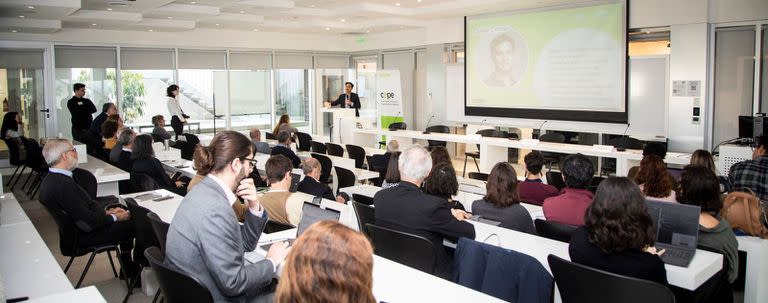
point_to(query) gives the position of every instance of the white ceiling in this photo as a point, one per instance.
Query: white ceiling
(294, 16)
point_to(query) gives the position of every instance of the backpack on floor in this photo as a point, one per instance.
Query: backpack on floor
(746, 212)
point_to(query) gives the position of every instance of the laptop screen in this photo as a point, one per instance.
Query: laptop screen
(295, 178)
(312, 213)
(676, 224)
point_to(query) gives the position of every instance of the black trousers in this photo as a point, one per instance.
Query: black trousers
(118, 233)
(80, 135)
(178, 127)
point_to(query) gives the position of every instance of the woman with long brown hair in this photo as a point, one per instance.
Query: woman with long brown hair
(502, 202)
(284, 124)
(654, 180)
(328, 263)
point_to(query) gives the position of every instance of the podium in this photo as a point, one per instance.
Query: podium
(332, 121)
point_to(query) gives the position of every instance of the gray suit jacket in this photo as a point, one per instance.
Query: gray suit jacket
(206, 241)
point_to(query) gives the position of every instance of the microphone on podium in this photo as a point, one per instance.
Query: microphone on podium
(425, 129)
(540, 126)
(623, 145)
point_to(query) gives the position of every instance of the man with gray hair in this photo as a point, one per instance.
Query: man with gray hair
(95, 226)
(124, 139)
(406, 208)
(312, 186)
(261, 147)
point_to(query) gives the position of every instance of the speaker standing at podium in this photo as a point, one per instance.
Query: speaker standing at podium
(348, 99)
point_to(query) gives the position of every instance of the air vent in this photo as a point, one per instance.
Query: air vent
(353, 33)
(120, 3)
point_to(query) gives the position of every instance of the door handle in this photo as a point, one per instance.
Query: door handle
(45, 110)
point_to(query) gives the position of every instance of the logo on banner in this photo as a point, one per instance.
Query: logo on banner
(388, 98)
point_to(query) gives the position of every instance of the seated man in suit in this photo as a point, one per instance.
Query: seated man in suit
(261, 147)
(205, 242)
(406, 208)
(312, 186)
(107, 110)
(282, 205)
(125, 160)
(95, 225)
(284, 148)
(570, 205)
(124, 142)
(533, 190)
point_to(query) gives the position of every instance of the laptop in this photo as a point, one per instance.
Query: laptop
(677, 230)
(310, 213)
(295, 179)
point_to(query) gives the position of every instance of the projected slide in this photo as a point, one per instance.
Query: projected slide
(548, 64)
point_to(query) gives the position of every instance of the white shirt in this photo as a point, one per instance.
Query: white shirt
(175, 109)
(231, 195)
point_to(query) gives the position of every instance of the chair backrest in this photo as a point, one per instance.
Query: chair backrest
(160, 228)
(554, 230)
(487, 133)
(13, 152)
(304, 141)
(318, 147)
(325, 167)
(552, 137)
(357, 153)
(362, 199)
(440, 129)
(270, 136)
(407, 249)
(555, 179)
(188, 148)
(595, 183)
(346, 178)
(478, 176)
(34, 153)
(365, 214)
(577, 283)
(397, 125)
(626, 142)
(176, 285)
(68, 233)
(378, 163)
(142, 226)
(273, 227)
(86, 180)
(142, 182)
(334, 149)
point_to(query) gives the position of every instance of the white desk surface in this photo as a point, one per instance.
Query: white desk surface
(81, 295)
(165, 209)
(103, 171)
(348, 163)
(757, 268)
(11, 211)
(27, 267)
(394, 282)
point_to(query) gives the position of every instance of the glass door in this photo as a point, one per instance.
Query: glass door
(22, 89)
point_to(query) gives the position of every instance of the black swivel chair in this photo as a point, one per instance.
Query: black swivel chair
(393, 127)
(609, 164)
(550, 157)
(346, 177)
(145, 234)
(318, 147)
(357, 153)
(377, 163)
(577, 283)
(143, 182)
(160, 228)
(555, 179)
(404, 248)
(335, 149)
(188, 147)
(362, 199)
(365, 214)
(325, 168)
(554, 230)
(14, 154)
(37, 163)
(175, 285)
(476, 154)
(478, 176)
(439, 129)
(304, 141)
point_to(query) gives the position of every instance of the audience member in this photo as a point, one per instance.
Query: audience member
(501, 202)
(281, 204)
(574, 199)
(159, 128)
(654, 181)
(618, 234)
(125, 145)
(406, 208)
(334, 256)
(284, 124)
(283, 148)
(651, 148)
(80, 109)
(12, 130)
(753, 174)
(261, 147)
(107, 110)
(392, 147)
(144, 162)
(95, 225)
(312, 186)
(699, 187)
(392, 178)
(533, 190)
(442, 183)
(109, 131)
(440, 155)
(203, 240)
(704, 158)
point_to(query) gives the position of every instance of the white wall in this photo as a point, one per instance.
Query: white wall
(688, 61)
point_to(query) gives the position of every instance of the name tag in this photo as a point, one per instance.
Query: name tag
(80, 103)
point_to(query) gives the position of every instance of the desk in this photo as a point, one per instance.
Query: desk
(81, 295)
(165, 209)
(11, 212)
(757, 268)
(107, 176)
(347, 163)
(494, 150)
(27, 266)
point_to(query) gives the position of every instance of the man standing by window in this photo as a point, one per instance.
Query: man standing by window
(81, 109)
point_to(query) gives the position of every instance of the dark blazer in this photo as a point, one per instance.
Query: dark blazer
(125, 162)
(97, 122)
(61, 192)
(288, 153)
(81, 110)
(406, 208)
(632, 263)
(311, 186)
(153, 168)
(341, 102)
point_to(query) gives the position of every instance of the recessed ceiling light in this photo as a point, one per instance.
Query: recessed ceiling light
(343, 20)
(30, 6)
(218, 24)
(109, 9)
(242, 12)
(170, 17)
(255, 29)
(93, 24)
(194, 2)
(22, 16)
(418, 1)
(368, 31)
(327, 28)
(648, 32)
(151, 30)
(14, 31)
(397, 4)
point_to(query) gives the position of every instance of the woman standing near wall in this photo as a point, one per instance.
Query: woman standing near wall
(178, 118)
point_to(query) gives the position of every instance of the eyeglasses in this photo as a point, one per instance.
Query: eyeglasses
(253, 161)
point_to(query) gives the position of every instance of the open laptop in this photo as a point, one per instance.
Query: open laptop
(295, 179)
(677, 230)
(310, 213)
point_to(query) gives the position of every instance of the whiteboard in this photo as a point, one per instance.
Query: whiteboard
(647, 90)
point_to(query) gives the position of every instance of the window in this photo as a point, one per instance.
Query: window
(203, 83)
(92, 66)
(21, 88)
(293, 82)
(734, 79)
(145, 75)
(366, 87)
(764, 72)
(251, 95)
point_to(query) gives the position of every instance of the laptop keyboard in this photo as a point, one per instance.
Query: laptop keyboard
(679, 253)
